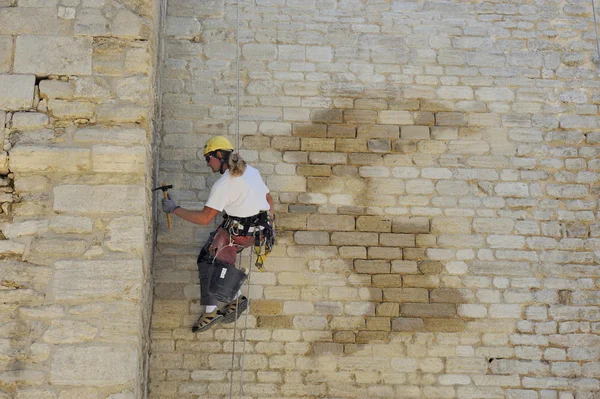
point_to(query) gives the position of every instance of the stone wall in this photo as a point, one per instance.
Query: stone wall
(75, 108)
(435, 168)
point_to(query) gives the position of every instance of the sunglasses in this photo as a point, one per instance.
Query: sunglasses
(207, 157)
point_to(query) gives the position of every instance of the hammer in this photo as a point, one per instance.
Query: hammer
(164, 189)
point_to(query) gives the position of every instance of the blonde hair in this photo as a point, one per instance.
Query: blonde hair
(237, 165)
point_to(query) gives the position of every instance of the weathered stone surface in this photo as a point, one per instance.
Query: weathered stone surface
(8, 247)
(6, 50)
(210, 8)
(113, 159)
(94, 365)
(56, 89)
(108, 199)
(25, 158)
(61, 55)
(62, 109)
(126, 234)
(71, 224)
(17, 92)
(112, 113)
(94, 280)
(39, 20)
(29, 227)
(69, 332)
(29, 120)
(78, 393)
(110, 135)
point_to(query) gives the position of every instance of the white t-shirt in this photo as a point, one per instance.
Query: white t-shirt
(240, 196)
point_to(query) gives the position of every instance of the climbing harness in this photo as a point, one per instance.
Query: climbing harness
(260, 226)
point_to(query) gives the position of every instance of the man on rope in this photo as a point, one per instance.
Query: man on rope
(248, 219)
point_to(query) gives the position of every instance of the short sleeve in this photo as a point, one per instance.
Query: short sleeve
(262, 184)
(218, 198)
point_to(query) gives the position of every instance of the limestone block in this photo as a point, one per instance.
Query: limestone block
(113, 159)
(43, 248)
(110, 135)
(330, 222)
(62, 109)
(29, 227)
(43, 312)
(26, 158)
(69, 332)
(415, 133)
(79, 393)
(29, 120)
(8, 247)
(108, 199)
(89, 87)
(120, 113)
(122, 395)
(97, 279)
(126, 234)
(6, 50)
(455, 93)
(287, 183)
(56, 89)
(319, 53)
(405, 172)
(94, 365)
(71, 224)
(182, 26)
(35, 394)
(137, 60)
(90, 21)
(184, 8)
(395, 118)
(22, 377)
(41, 20)
(133, 89)
(264, 52)
(60, 55)
(275, 128)
(128, 24)
(16, 92)
(354, 238)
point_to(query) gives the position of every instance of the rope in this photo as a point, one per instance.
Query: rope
(237, 303)
(243, 357)
(237, 146)
(237, 69)
(596, 29)
(245, 329)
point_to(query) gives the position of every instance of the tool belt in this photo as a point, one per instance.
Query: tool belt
(260, 226)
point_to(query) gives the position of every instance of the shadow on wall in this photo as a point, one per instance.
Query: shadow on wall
(351, 289)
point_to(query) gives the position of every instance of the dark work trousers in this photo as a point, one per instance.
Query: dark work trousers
(223, 247)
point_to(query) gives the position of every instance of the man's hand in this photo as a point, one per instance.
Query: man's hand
(168, 205)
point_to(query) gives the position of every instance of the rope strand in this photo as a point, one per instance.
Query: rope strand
(243, 359)
(237, 69)
(237, 146)
(596, 29)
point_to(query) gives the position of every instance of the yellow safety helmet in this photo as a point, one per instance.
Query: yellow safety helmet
(217, 143)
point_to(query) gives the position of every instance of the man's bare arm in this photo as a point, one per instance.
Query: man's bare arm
(271, 205)
(203, 217)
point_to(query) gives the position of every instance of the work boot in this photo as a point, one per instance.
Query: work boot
(206, 321)
(234, 309)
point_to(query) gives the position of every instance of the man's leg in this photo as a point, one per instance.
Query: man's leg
(235, 308)
(209, 315)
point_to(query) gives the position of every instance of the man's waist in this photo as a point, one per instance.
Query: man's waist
(248, 224)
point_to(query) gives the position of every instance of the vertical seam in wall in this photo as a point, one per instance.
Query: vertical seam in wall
(155, 152)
